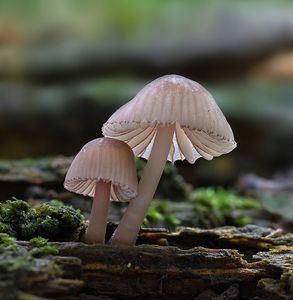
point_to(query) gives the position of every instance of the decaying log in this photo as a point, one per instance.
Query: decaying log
(222, 263)
(282, 260)
(246, 238)
(161, 271)
(41, 278)
(187, 271)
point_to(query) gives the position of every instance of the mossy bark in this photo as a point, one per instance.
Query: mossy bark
(239, 263)
(222, 263)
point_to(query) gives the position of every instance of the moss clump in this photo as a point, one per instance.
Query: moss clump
(14, 214)
(219, 207)
(20, 270)
(12, 263)
(50, 220)
(204, 208)
(45, 250)
(159, 212)
(5, 228)
(41, 247)
(12, 257)
(38, 242)
(7, 243)
(6, 240)
(55, 218)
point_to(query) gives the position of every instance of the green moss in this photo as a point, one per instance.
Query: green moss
(47, 226)
(7, 240)
(49, 220)
(12, 257)
(206, 208)
(38, 241)
(41, 247)
(14, 264)
(14, 214)
(5, 228)
(159, 211)
(58, 217)
(217, 207)
(44, 250)
(19, 264)
(15, 258)
(7, 243)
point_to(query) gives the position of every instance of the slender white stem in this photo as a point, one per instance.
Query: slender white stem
(98, 219)
(129, 225)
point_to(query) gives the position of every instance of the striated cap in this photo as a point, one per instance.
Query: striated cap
(201, 128)
(104, 159)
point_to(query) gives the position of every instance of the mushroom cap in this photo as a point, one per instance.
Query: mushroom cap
(104, 159)
(201, 128)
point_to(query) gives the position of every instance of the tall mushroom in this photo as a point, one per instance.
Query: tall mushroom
(103, 167)
(170, 118)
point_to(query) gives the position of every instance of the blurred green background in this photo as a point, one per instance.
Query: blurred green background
(65, 66)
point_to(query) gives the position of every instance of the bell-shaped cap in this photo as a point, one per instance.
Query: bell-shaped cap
(201, 128)
(104, 159)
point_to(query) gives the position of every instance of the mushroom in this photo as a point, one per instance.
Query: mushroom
(171, 118)
(104, 167)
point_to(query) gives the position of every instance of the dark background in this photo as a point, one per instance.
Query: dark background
(65, 66)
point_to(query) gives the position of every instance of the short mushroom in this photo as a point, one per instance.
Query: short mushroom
(171, 118)
(103, 167)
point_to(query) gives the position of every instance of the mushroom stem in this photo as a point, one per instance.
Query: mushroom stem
(98, 219)
(129, 225)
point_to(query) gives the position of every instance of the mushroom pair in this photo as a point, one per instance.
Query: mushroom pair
(172, 118)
